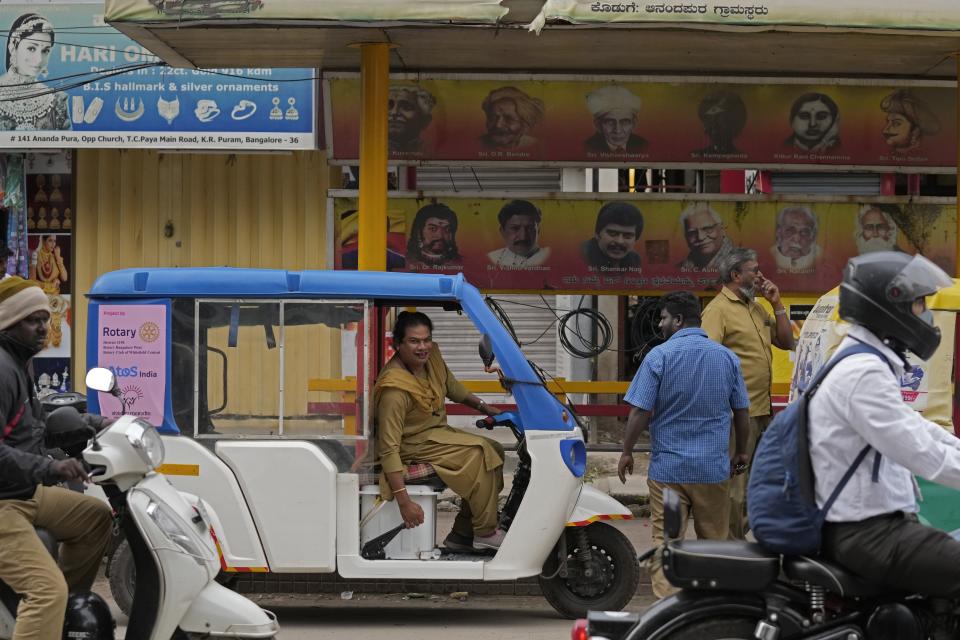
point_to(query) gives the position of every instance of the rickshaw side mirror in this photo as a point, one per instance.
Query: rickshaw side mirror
(100, 379)
(486, 351)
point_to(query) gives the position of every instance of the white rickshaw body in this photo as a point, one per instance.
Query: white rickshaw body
(285, 499)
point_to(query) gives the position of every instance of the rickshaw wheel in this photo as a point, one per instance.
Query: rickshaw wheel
(602, 577)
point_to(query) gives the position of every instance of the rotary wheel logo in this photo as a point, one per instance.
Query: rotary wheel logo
(149, 332)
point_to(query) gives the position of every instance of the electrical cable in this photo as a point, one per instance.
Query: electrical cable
(67, 87)
(588, 347)
(645, 327)
(503, 318)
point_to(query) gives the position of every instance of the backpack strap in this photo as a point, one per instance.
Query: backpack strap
(844, 480)
(861, 347)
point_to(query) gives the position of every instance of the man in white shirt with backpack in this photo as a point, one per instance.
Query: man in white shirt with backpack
(872, 529)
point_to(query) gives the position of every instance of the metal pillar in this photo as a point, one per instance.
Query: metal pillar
(374, 79)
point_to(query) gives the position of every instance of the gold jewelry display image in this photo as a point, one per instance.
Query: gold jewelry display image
(47, 265)
(59, 306)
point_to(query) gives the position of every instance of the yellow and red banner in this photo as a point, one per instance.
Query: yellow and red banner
(546, 121)
(629, 245)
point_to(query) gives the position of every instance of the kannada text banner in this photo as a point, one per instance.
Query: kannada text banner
(878, 14)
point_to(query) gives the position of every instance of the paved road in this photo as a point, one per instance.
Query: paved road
(400, 617)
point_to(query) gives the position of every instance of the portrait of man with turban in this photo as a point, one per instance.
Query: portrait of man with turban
(511, 115)
(614, 111)
(909, 119)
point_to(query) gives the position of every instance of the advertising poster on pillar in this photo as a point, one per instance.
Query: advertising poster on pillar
(548, 121)
(70, 80)
(131, 342)
(541, 244)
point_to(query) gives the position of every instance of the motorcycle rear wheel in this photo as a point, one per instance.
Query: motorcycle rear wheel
(613, 565)
(725, 628)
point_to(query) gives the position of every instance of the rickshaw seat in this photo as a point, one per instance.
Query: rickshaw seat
(421, 473)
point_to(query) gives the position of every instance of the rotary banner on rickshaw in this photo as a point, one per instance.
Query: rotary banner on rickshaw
(632, 245)
(877, 14)
(605, 122)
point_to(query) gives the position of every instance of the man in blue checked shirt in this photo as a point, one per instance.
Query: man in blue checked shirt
(688, 385)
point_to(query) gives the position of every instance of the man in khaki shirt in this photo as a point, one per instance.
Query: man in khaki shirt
(737, 321)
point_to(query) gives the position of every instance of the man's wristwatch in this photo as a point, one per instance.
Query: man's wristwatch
(780, 312)
(482, 405)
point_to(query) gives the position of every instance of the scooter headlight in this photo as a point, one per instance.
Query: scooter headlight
(146, 441)
(168, 522)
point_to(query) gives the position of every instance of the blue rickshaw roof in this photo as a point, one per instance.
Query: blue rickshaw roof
(227, 282)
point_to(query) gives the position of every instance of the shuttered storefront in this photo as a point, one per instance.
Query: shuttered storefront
(844, 184)
(432, 178)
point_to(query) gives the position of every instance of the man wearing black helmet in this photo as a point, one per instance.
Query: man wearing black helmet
(872, 529)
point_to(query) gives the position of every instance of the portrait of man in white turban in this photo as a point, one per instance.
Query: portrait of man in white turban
(614, 111)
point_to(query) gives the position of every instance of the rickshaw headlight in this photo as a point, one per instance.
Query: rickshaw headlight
(574, 455)
(143, 437)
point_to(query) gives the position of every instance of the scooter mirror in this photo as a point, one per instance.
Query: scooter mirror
(100, 379)
(486, 351)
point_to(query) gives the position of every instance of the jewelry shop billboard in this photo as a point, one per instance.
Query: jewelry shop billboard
(70, 80)
(540, 243)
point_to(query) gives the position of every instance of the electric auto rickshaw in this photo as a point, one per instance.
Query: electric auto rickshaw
(223, 360)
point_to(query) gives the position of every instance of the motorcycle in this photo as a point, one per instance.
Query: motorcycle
(735, 589)
(169, 534)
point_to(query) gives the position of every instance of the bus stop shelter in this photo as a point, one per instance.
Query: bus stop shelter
(777, 39)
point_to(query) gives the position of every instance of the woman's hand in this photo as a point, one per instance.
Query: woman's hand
(411, 513)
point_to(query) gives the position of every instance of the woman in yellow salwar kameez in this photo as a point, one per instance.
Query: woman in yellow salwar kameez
(411, 420)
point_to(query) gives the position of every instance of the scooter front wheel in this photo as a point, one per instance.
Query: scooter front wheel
(602, 573)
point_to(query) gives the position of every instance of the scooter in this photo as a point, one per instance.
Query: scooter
(734, 589)
(169, 534)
